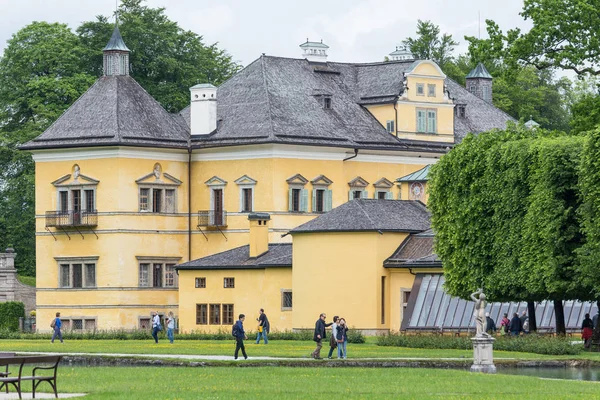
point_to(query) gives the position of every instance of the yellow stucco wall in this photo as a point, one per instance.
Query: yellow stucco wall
(254, 289)
(340, 274)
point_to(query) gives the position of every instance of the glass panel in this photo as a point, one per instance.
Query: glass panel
(77, 275)
(450, 312)
(287, 300)
(548, 320)
(414, 319)
(90, 275)
(228, 314)
(144, 199)
(157, 200)
(64, 275)
(77, 324)
(574, 317)
(90, 205)
(90, 324)
(170, 275)
(157, 275)
(495, 313)
(144, 275)
(467, 319)
(215, 314)
(435, 303)
(429, 295)
(64, 201)
(460, 310)
(144, 323)
(443, 310)
(169, 200)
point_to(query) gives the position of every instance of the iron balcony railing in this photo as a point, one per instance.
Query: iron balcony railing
(212, 218)
(71, 218)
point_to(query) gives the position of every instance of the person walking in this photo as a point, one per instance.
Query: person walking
(263, 327)
(587, 330)
(491, 325)
(56, 325)
(240, 335)
(170, 326)
(342, 338)
(504, 324)
(515, 326)
(332, 339)
(319, 335)
(156, 326)
(524, 322)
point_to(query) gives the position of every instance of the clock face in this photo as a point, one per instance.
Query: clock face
(416, 190)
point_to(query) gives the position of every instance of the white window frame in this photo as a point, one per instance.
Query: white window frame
(151, 262)
(163, 200)
(84, 262)
(390, 126)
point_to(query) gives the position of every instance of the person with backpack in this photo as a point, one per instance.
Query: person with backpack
(263, 327)
(342, 338)
(156, 326)
(239, 334)
(56, 324)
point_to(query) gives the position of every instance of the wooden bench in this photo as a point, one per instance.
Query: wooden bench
(5, 373)
(50, 362)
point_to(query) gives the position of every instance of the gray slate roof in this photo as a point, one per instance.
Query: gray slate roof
(116, 41)
(417, 176)
(415, 251)
(364, 215)
(115, 110)
(279, 255)
(479, 72)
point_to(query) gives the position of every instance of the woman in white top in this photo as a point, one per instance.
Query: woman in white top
(332, 341)
(170, 326)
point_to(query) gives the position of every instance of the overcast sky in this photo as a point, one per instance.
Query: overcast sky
(355, 30)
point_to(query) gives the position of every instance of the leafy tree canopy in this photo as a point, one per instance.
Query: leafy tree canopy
(429, 45)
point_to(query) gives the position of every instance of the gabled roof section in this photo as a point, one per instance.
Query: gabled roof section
(216, 181)
(278, 255)
(479, 72)
(297, 180)
(116, 41)
(321, 180)
(65, 180)
(245, 180)
(314, 44)
(159, 177)
(383, 183)
(417, 176)
(358, 182)
(370, 215)
(416, 251)
(114, 111)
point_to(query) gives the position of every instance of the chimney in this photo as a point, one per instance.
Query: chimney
(314, 51)
(203, 109)
(259, 234)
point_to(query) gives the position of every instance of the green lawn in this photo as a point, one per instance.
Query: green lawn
(27, 280)
(279, 348)
(299, 383)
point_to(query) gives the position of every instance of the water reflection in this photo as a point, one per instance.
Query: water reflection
(581, 374)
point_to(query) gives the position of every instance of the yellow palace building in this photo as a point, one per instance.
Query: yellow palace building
(127, 194)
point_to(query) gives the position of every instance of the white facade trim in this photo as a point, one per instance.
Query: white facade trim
(109, 152)
(426, 104)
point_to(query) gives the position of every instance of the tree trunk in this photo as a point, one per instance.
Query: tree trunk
(532, 320)
(559, 317)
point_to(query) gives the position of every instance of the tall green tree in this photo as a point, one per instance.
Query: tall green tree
(165, 59)
(430, 45)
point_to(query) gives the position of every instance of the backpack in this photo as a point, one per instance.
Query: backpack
(53, 323)
(234, 331)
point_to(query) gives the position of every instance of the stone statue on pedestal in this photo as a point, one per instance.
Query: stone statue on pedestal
(479, 313)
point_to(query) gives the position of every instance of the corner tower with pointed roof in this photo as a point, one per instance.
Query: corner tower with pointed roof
(479, 82)
(116, 55)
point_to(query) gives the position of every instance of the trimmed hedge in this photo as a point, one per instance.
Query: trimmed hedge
(11, 311)
(353, 335)
(551, 345)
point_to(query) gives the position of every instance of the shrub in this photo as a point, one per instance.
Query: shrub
(527, 343)
(11, 311)
(355, 336)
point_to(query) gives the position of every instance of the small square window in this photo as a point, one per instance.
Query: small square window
(430, 90)
(228, 282)
(420, 89)
(286, 300)
(144, 323)
(357, 194)
(327, 103)
(200, 283)
(90, 324)
(381, 195)
(77, 324)
(390, 126)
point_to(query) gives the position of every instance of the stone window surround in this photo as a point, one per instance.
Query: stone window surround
(77, 260)
(158, 260)
(160, 186)
(245, 182)
(283, 308)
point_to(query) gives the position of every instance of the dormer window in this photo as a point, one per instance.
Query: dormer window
(327, 102)
(461, 110)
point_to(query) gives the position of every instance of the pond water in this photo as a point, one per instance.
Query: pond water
(581, 374)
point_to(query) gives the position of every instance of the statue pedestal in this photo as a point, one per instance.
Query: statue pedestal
(483, 354)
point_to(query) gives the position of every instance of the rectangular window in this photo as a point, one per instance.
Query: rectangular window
(390, 126)
(90, 324)
(431, 121)
(228, 318)
(170, 277)
(144, 275)
(473, 89)
(357, 194)
(64, 201)
(421, 121)
(77, 324)
(420, 89)
(405, 298)
(430, 90)
(201, 314)
(382, 195)
(90, 204)
(215, 314)
(90, 275)
(77, 275)
(229, 283)
(200, 283)
(157, 200)
(144, 323)
(64, 275)
(144, 199)
(169, 200)
(320, 200)
(383, 299)
(157, 275)
(295, 200)
(426, 120)
(327, 103)
(286, 300)
(247, 200)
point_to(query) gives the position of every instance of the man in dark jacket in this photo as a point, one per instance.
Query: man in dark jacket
(491, 325)
(263, 327)
(240, 335)
(515, 326)
(319, 335)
